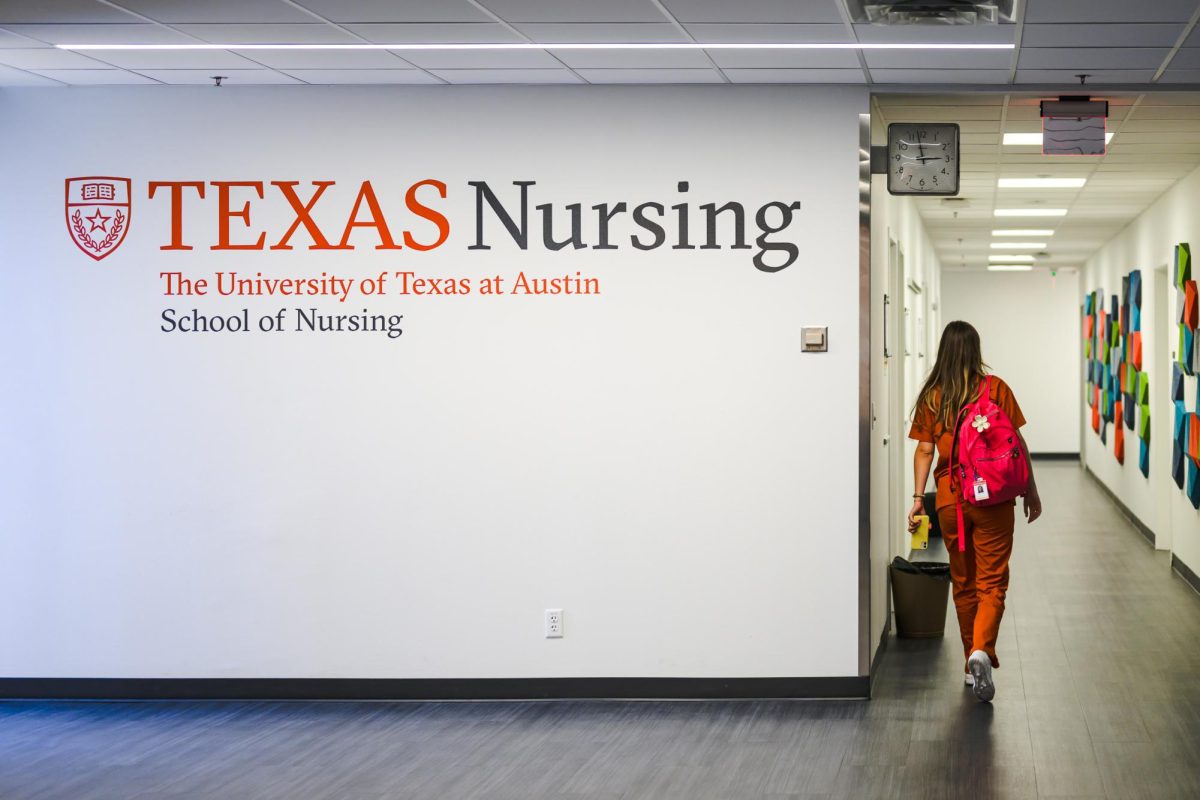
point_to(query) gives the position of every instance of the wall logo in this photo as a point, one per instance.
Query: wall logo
(98, 213)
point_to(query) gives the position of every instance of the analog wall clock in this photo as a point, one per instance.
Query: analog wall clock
(922, 158)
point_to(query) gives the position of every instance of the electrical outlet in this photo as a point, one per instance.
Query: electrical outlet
(554, 623)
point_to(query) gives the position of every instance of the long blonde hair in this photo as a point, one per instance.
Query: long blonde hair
(956, 373)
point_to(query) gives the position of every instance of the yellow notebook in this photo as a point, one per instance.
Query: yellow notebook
(920, 537)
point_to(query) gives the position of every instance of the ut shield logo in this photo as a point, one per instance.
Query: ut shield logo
(98, 213)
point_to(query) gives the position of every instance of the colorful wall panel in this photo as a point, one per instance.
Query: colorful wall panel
(1118, 390)
(1185, 448)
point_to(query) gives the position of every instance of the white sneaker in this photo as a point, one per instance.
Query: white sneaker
(981, 670)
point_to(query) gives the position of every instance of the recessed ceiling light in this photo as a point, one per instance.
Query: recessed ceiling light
(1009, 268)
(1030, 212)
(1036, 138)
(1018, 245)
(1022, 232)
(1006, 258)
(1041, 183)
(552, 46)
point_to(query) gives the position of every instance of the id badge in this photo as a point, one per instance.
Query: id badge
(981, 490)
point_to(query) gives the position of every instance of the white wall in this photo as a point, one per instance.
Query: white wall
(1147, 244)
(661, 461)
(895, 221)
(1029, 326)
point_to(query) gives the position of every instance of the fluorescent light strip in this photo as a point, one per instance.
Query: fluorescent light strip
(1009, 268)
(1018, 245)
(1036, 138)
(550, 46)
(1007, 258)
(1041, 183)
(1030, 212)
(1022, 232)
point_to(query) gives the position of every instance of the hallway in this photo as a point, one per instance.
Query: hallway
(1097, 697)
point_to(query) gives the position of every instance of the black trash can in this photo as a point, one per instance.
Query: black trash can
(920, 597)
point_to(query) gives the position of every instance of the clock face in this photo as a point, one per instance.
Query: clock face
(922, 158)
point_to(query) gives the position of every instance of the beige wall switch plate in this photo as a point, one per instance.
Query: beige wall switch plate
(816, 340)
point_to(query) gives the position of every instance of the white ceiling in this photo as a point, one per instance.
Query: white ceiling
(1119, 42)
(1156, 142)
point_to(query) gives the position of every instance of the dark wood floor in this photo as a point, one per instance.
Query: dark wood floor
(1098, 697)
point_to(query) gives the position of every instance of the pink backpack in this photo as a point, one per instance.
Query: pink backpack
(988, 463)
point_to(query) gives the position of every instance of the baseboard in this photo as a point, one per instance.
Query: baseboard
(431, 689)
(1185, 572)
(1054, 456)
(1142, 528)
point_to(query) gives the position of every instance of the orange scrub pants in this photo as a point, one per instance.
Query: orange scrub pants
(980, 573)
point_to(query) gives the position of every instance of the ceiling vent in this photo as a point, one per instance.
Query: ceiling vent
(931, 12)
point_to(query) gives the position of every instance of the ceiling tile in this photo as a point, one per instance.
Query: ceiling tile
(963, 114)
(786, 59)
(1168, 99)
(657, 76)
(268, 33)
(939, 59)
(1181, 76)
(1078, 11)
(1128, 137)
(46, 58)
(574, 10)
(80, 11)
(515, 76)
(754, 10)
(624, 59)
(435, 32)
(327, 59)
(1085, 35)
(97, 77)
(10, 76)
(133, 33)
(393, 11)
(948, 34)
(175, 59)
(947, 100)
(971, 126)
(732, 33)
(635, 32)
(363, 76)
(1098, 76)
(481, 59)
(989, 139)
(1080, 58)
(1186, 58)
(13, 40)
(233, 77)
(215, 11)
(939, 76)
(795, 75)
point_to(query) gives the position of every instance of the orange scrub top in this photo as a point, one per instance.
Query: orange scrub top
(927, 428)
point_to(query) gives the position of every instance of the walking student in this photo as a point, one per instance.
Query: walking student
(980, 550)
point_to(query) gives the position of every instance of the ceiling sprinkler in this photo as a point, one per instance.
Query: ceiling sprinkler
(217, 79)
